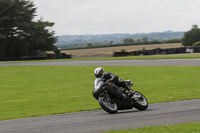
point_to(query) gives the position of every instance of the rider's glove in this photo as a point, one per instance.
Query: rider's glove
(131, 91)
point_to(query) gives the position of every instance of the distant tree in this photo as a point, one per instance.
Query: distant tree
(145, 39)
(191, 36)
(89, 45)
(123, 50)
(155, 42)
(176, 40)
(128, 40)
(20, 35)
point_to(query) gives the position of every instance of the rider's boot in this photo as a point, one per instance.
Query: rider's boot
(131, 92)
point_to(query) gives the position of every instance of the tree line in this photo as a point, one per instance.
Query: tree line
(190, 38)
(20, 34)
(125, 43)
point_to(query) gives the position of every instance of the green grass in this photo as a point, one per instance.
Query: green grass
(196, 56)
(27, 91)
(179, 128)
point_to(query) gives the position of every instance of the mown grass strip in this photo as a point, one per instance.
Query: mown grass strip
(178, 128)
(28, 91)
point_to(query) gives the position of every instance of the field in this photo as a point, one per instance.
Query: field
(28, 91)
(108, 51)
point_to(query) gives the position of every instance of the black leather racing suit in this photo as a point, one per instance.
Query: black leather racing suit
(115, 79)
(115, 90)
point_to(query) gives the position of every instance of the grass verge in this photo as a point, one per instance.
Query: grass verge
(28, 91)
(179, 128)
(195, 56)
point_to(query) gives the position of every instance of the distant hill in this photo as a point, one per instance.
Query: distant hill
(72, 41)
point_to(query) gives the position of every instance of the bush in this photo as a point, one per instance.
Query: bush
(196, 44)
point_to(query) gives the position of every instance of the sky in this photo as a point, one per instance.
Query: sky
(81, 17)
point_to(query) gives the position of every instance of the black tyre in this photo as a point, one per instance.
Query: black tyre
(141, 102)
(108, 104)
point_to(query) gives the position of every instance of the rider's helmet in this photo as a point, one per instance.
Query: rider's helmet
(99, 72)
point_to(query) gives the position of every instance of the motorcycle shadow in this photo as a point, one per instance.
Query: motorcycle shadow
(126, 111)
(133, 111)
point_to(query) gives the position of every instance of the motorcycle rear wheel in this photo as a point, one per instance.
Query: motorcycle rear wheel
(108, 104)
(141, 102)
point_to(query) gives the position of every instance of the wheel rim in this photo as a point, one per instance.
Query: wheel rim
(140, 99)
(109, 104)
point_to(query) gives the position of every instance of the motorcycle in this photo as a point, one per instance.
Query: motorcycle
(112, 104)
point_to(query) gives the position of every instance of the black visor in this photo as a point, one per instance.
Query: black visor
(99, 75)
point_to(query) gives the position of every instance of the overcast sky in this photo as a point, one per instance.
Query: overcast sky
(75, 17)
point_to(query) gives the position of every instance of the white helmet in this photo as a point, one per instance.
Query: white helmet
(99, 72)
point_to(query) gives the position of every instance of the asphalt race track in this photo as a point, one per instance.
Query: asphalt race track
(158, 62)
(97, 121)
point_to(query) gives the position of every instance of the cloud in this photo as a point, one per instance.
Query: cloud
(118, 16)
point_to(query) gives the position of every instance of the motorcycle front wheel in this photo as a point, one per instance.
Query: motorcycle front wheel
(141, 102)
(108, 104)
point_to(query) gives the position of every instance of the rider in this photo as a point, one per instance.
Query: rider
(99, 73)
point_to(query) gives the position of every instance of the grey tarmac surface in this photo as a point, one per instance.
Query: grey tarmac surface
(157, 62)
(98, 121)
